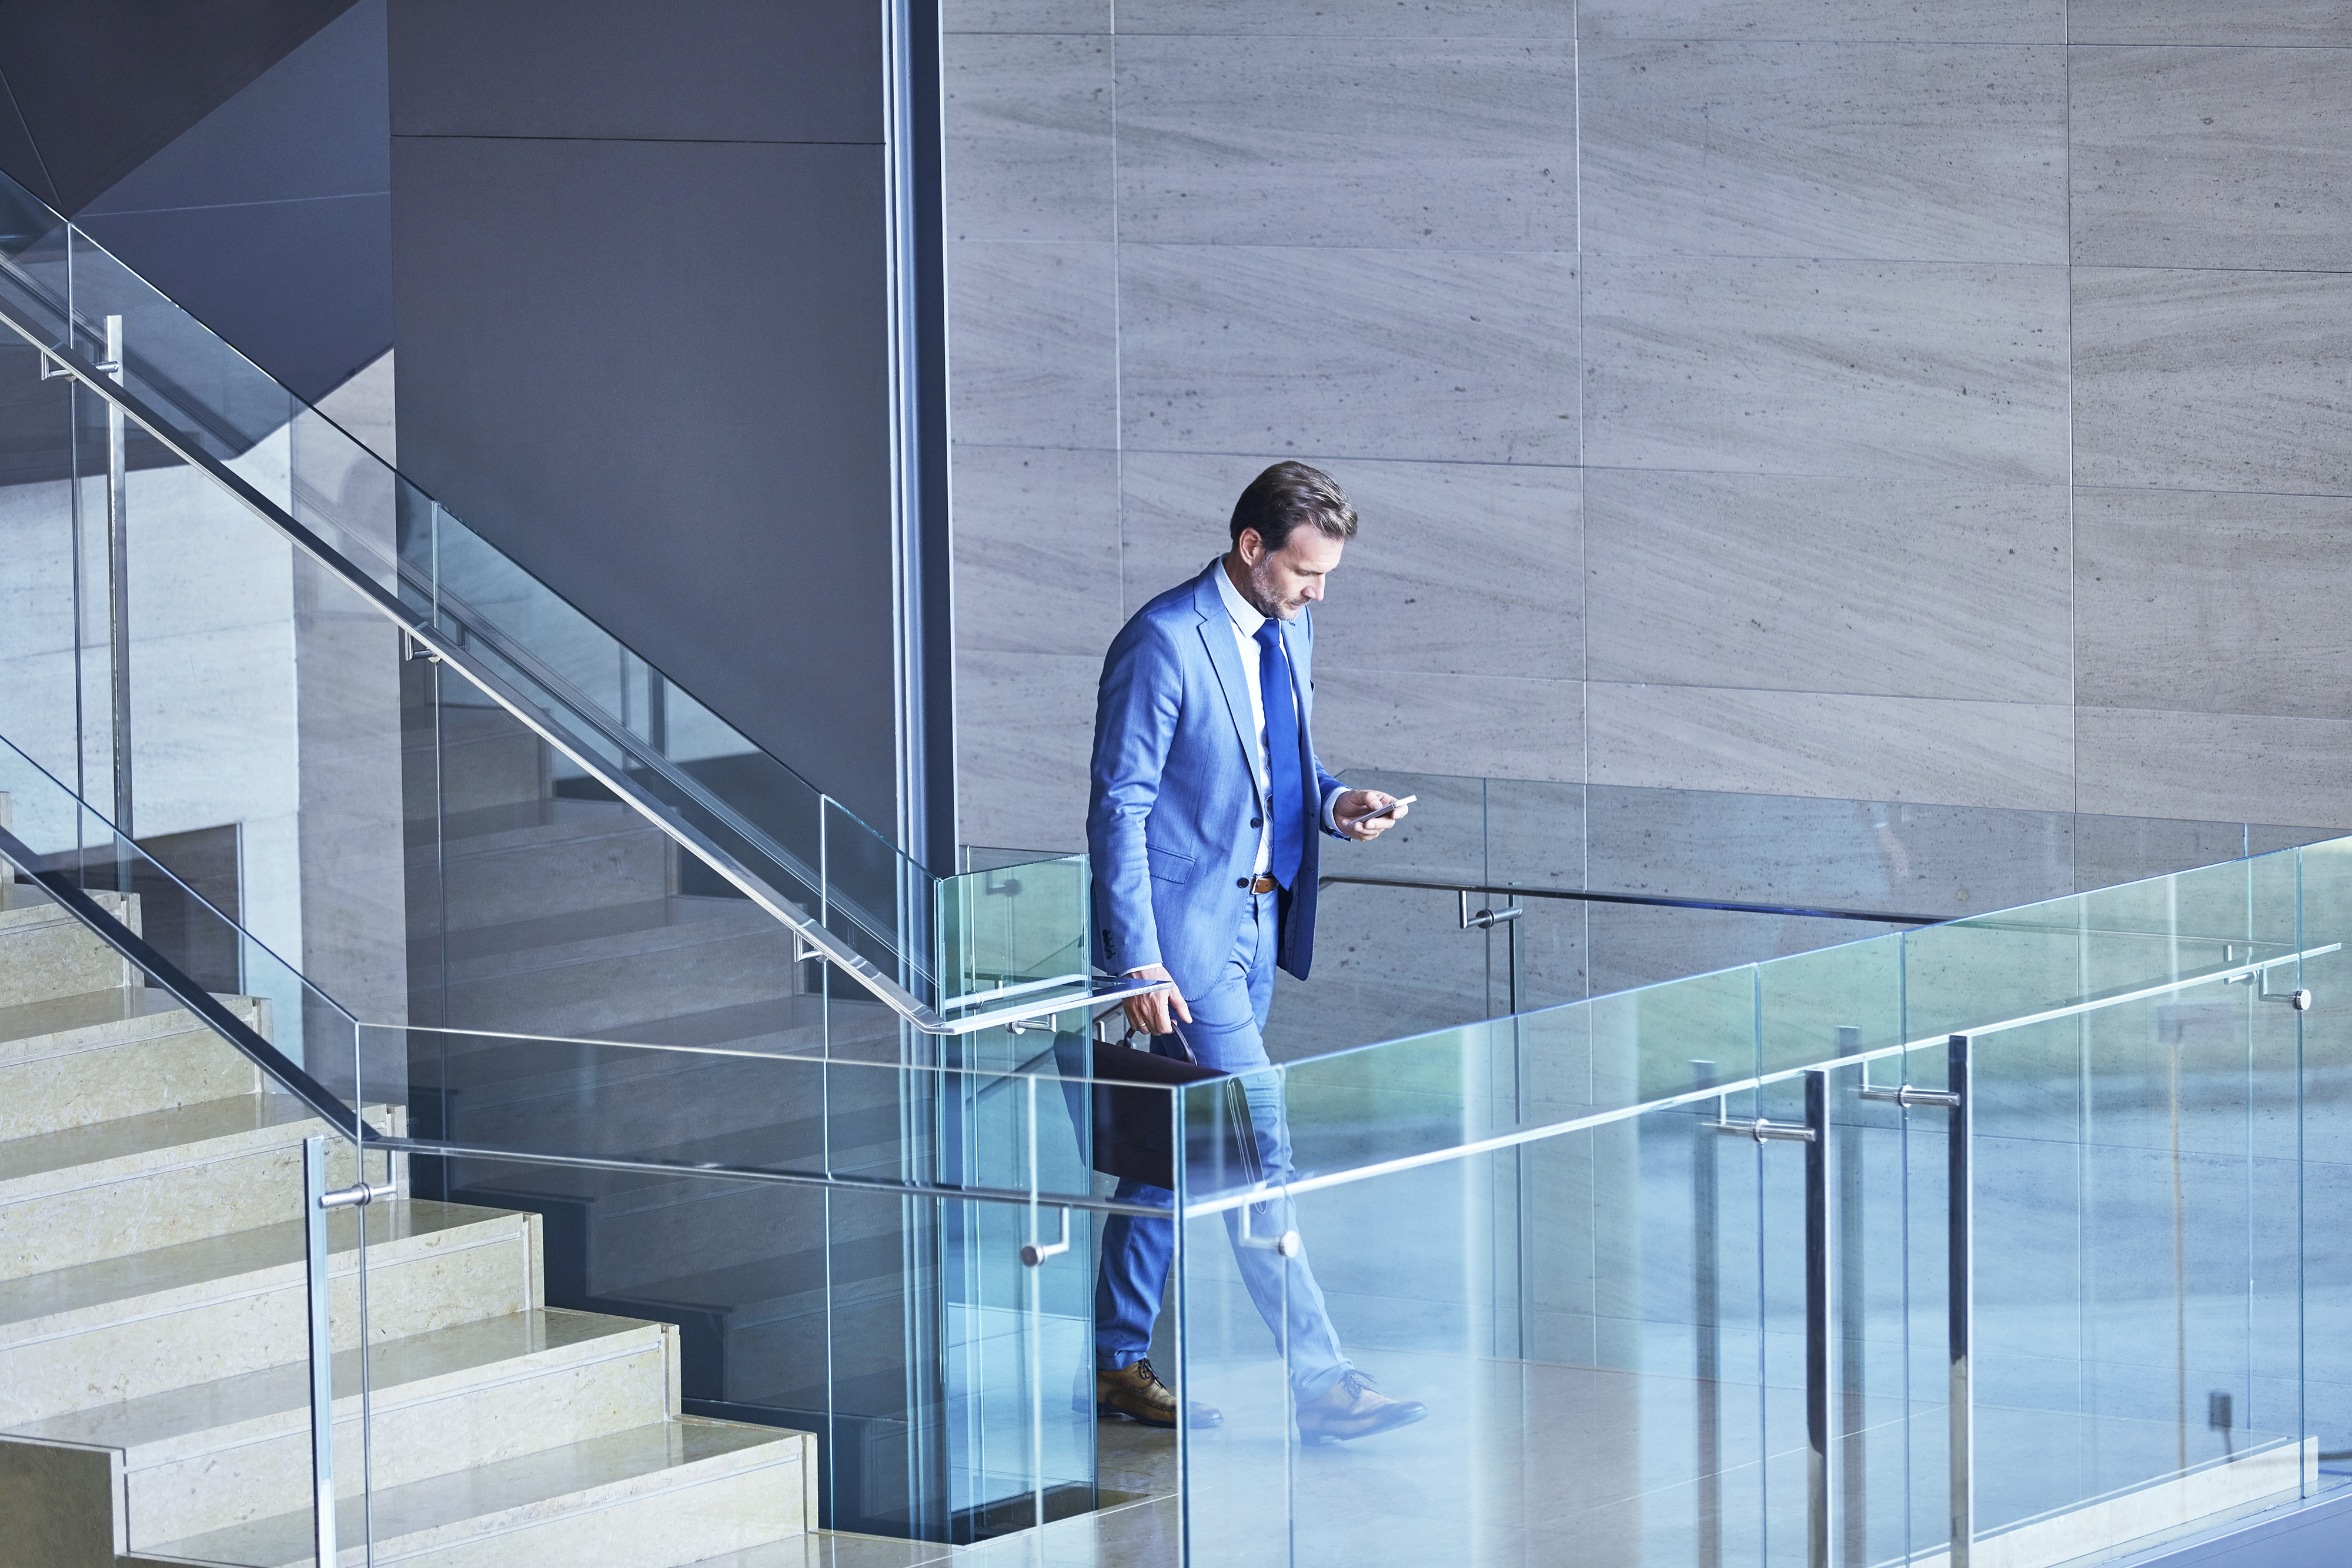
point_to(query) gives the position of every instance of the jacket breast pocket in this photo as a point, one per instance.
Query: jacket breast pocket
(1166, 865)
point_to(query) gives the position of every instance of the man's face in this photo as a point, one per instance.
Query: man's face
(1283, 582)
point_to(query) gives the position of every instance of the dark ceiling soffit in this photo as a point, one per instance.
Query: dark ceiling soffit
(84, 125)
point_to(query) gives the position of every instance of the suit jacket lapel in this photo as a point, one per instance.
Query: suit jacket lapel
(1224, 658)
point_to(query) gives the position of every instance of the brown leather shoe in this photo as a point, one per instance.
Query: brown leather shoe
(1350, 1409)
(1136, 1393)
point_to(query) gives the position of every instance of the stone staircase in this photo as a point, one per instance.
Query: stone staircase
(154, 1380)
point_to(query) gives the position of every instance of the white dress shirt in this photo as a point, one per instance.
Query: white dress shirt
(1246, 621)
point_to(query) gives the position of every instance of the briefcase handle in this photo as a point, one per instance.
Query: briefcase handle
(1127, 1040)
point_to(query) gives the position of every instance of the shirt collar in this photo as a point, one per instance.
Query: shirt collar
(1244, 612)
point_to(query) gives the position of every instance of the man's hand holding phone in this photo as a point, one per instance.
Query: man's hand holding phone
(1364, 815)
(1155, 1012)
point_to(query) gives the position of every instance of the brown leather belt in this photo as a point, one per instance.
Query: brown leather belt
(1261, 884)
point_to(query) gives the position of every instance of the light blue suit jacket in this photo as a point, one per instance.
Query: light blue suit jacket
(1176, 786)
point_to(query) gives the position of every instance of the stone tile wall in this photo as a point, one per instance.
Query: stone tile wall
(1833, 397)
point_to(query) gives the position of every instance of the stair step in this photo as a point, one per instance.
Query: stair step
(823, 1548)
(595, 985)
(579, 855)
(156, 1179)
(28, 1020)
(652, 1496)
(46, 953)
(125, 1327)
(102, 1058)
(221, 1454)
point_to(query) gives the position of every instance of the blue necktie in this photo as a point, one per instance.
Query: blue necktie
(1286, 786)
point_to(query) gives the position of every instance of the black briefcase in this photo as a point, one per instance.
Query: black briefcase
(1133, 1130)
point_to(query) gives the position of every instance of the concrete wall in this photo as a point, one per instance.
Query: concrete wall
(1934, 404)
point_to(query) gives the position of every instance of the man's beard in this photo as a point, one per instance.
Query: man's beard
(1262, 596)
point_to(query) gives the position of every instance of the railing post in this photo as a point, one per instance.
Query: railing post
(1706, 1307)
(322, 1351)
(1817, 1320)
(1958, 1286)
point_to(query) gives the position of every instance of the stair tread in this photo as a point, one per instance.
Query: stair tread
(184, 1127)
(510, 1494)
(823, 1548)
(157, 1426)
(91, 1009)
(709, 916)
(33, 1298)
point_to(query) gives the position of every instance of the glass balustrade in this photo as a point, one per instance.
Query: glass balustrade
(2013, 1225)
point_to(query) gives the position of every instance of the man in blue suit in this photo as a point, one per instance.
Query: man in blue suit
(1205, 813)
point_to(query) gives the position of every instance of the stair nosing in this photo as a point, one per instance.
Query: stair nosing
(81, 1176)
(781, 1446)
(483, 1227)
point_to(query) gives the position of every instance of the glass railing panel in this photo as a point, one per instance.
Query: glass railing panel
(53, 657)
(1824, 1006)
(2325, 1136)
(181, 920)
(1594, 1321)
(1389, 961)
(1012, 931)
(223, 402)
(2137, 1262)
(755, 1105)
(625, 717)
(682, 1317)
(872, 902)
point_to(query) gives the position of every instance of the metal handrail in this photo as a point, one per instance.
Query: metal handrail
(1876, 916)
(322, 1102)
(811, 936)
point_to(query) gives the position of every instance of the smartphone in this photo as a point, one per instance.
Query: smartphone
(1383, 812)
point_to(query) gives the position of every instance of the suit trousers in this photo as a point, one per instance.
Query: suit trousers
(1227, 1032)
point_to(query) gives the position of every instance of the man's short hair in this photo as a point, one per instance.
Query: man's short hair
(1287, 495)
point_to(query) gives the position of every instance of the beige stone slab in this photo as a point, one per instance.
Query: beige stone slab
(1037, 558)
(1292, 18)
(1036, 350)
(1029, 136)
(28, 1020)
(1921, 152)
(2211, 157)
(2154, 762)
(600, 984)
(156, 1180)
(1026, 16)
(2211, 379)
(474, 1410)
(1459, 143)
(567, 865)
(1914, 370)
(831, 1549)
(2013, 754)
(105, 1071)
(1890, 21)
(1497, 726)
(2313, 22)
(126, 1327)
(2217, 601)
(60, 1505)
(1883, 586)
(46, 953)
(648, 1498)
(1022, 746)
(1442, 355)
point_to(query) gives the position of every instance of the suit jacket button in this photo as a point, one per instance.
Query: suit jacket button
(1255, 822)
(1241, 881)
